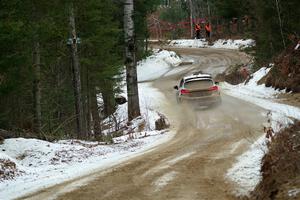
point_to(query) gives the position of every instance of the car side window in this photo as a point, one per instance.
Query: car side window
(181, 83)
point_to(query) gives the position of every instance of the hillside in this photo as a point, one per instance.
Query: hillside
(281, 167)
(286, 71)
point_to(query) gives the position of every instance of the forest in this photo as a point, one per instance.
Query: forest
(58, 58)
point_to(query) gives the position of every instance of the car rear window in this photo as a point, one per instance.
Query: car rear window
(198, 84)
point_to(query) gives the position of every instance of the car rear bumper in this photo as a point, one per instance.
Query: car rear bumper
(206, 100)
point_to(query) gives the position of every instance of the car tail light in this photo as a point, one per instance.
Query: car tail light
(214, 88)
(184, 91)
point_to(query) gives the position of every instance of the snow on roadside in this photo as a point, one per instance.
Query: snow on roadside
(261, 95)
(201, 43)
(157, 65)
(246, 171)
(219, 44)
(233, 44)
(43, 164)
(161, 63)
(252, 89)
(151, 99)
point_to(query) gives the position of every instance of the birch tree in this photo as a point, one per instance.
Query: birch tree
(130, 61)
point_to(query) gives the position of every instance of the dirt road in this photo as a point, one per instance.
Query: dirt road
(193, 164)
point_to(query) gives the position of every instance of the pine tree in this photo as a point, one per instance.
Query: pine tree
(76, 74)
(36, 90)
(101, 56)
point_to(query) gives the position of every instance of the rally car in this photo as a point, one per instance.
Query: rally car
(198, 88)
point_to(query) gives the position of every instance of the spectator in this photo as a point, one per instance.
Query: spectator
(198, 29)
(208, 29)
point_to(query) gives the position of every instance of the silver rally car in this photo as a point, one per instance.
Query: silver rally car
(198, 88)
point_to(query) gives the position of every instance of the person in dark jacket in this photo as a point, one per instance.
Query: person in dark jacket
(198, 29)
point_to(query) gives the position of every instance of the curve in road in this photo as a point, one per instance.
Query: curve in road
(193, 164)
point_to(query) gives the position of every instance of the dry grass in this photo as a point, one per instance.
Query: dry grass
(281, 166)
(234, 75)
(8, 170)
(286, 72)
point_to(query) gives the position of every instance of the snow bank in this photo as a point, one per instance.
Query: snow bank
(252, 88)
(201, 43)
(150, 100)
(233, 44)
(246, 171)
(157, 65)
(219, 44)
(261, 95)
(43, 164)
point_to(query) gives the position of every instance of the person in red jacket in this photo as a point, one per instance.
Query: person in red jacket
(208, 29)
(198, 29)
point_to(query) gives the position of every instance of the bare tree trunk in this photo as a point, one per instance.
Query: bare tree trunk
(109, 104)
(130, 51)
(191, 18)
(209, 18)
(37, 88)
(76, 75)
(208, 11)
(159, 30)
(280, 22)
(88, 104)
(108, 98)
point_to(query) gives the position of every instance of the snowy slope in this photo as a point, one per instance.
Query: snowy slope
(150, 101)
(219, 44)
(46, 164)
(156, 65)
(246, 171)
